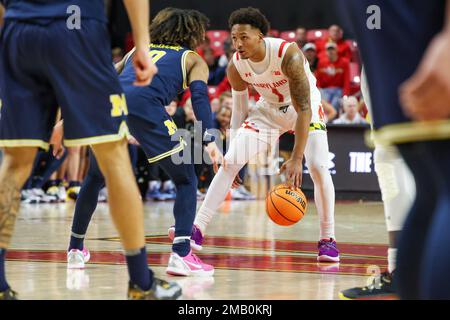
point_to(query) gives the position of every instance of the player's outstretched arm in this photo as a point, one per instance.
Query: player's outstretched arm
(139, 12)
(240, 97)
(197, 79)
(293, 68)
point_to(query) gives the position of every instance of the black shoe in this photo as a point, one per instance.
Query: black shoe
(8, 294)
(382, 288)
(160, 290)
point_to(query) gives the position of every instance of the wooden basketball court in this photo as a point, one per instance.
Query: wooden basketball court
(253, 257)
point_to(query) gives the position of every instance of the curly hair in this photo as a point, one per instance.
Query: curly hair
(178, 27)
(251, 16)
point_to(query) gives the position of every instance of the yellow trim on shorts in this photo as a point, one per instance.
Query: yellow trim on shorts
(169, 153)
(314, 126)
(123, 133)
(16, 143)
(410, 132)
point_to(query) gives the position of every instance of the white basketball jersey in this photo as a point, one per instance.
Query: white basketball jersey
(272, 84)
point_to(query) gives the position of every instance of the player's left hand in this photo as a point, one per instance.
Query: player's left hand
(56, 140)
(215, 155)
(426, 95)
(293, 169)
(144, 68)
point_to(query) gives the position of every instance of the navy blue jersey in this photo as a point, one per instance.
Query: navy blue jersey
(53, 9)
(170, 79)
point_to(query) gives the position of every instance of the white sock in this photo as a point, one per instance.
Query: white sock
(392, 259)
(316, 155)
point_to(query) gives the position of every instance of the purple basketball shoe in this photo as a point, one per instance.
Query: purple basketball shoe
(328, 251)
(196, 237)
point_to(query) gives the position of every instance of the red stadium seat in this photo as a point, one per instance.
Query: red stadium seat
(355, 51)
(217, 38)
(316, 34)
(355, 77)
(212, 91)
(288, 35)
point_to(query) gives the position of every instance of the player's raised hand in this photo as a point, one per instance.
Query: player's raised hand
(144, 68)
(426, 95)
(215, 155)
(293, 170)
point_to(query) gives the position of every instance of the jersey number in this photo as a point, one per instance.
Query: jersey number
(171, 126)
(155, 55)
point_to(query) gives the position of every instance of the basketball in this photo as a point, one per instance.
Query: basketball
(285, 206)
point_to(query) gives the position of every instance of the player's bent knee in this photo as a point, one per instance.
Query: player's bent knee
(317, 169)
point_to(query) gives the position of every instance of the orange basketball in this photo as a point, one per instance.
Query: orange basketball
(285, 206)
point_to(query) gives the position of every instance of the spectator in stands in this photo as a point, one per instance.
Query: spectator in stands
(310, 52)
(335, 34)
(228, 53)
(300, 36)
(216, 72)
(351, 114)
(225, 102)
(333, 76)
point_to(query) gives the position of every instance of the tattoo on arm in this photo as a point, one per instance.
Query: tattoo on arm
(9, 207)
(298, 81)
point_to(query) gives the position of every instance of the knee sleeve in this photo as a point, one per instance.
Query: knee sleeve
(396, 184)
(316, 154)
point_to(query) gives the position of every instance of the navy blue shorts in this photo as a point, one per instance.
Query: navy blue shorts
(152, 126)
(45, 66)
(391, 54)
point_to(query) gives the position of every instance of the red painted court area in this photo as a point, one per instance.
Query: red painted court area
(357, 259)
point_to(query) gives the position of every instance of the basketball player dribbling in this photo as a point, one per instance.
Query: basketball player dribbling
(289, 100)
